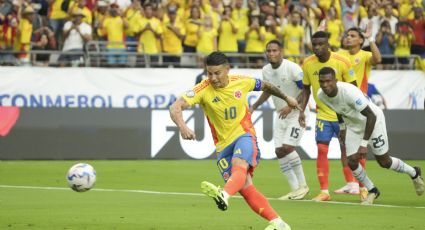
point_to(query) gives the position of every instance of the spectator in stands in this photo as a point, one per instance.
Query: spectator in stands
(403, 40)
(255, 37)
(81, 4)
(372, 21)
(386, 42)
(272, 29)
(334, 27)
(228, 34)
(23, 35)
(349, 13)
(57, 17)
(8, 26)
(99, 15)
(310, 14)
(150, 30)
(192, 26)
(407, 9)
(44, 41)
(388, 16)
(207, 39)
(75, 34)
(240, 17)
(418, 25)
(5, 9)
(293, 35)
(133, 16)
(172, 36)
(114, 27)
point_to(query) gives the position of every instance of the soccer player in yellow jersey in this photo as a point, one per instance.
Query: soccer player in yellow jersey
(223, 98)
(362, 62)
(326, 122)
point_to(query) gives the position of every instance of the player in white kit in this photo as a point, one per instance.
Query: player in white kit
(287, 132)
(362, 124)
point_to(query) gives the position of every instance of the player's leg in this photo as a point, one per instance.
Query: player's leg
(287, 134)
(260, 205)
(224, 164)
(233, 163)
(324, 133)
(379, 147)
(352, 144)
(352, 185)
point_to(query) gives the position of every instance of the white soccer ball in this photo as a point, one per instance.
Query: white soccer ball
(81, 177)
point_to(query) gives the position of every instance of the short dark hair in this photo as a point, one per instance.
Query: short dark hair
(216, 58)
(327, 70)
(321, 34)
(356, 29)
(274, 41)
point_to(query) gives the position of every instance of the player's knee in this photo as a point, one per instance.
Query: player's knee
(284, 150)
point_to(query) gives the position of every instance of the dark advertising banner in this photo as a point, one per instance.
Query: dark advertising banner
(77, 133)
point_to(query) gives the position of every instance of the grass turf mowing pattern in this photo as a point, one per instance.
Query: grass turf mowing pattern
(65, 209)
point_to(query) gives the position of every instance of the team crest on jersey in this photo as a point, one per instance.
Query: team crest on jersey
(238, 94)
(190, 93)
(357, 60)
(351, 72)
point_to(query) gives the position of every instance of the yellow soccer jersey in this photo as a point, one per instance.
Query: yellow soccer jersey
(292, 38)
(311, 67)
(226, 108)
(362, 66)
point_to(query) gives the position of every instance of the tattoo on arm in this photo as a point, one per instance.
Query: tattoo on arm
(273, 90)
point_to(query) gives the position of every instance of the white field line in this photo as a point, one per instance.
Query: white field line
(194, 194)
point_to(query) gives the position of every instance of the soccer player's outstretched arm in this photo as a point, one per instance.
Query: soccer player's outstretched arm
(176, 115)
(273, 90)
(303, 100)
(264, 96)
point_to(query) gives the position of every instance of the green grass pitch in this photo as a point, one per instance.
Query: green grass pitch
(133, 200)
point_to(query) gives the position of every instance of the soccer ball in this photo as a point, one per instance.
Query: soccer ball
(81, 177)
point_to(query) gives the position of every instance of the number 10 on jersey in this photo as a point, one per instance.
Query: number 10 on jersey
(230, 113)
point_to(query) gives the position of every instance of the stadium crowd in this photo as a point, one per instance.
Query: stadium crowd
(170, 28)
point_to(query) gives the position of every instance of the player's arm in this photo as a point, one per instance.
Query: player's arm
(370, 125)
(273, 90)
(177, 116)
(264, 96)
(376, 54)
(342, 130)
(303, 100)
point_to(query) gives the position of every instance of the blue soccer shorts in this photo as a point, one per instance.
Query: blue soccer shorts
(245, 147)
(325, 130)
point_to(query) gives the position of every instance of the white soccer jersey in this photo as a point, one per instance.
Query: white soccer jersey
(348, 102)
(285, 78)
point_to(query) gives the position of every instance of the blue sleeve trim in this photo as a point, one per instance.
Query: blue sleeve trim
(299, 84)
(257, 86)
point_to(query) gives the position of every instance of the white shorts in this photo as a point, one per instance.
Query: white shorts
(378, 142)
(287, 131)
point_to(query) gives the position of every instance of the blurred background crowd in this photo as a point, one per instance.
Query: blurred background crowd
(62, 32)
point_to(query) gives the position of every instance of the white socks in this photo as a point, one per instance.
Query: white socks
(292, 168)
(401, 167)
(360, 174)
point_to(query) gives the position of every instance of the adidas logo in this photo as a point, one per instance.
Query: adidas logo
(316, 73)
(216, 99)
